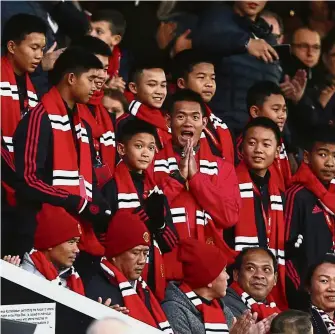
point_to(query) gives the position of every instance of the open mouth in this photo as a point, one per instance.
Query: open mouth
(158, 99)
(187, 134)
(331, 298)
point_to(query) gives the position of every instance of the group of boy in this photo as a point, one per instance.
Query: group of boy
(182, 202)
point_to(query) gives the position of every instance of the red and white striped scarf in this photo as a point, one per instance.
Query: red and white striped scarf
(225, 144)
(72, 170)
(10, 103)
(263, 310)
(48, 270)
(128, 199)
(328, 322)
(246, 229)
(213, 317)
(134, 300)
(280, 168)
(188, 216)
(103, 134)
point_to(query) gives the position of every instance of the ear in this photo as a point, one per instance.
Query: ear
(49, 249)
(235, 275)
(210, 285)
(121, 149)
(132, 87)
(181, 83)
(204, 121)
(71, 79)
(276, 279)
(168, 120)
(116, 39)
(277, 152)
(306, 157)
(11, 47)
(254, 111)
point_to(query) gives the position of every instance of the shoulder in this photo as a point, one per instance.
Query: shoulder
(299, 193)
(233, 301)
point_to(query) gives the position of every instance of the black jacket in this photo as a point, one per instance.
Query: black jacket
(319, 326)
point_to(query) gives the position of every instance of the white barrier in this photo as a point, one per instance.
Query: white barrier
(68, 298)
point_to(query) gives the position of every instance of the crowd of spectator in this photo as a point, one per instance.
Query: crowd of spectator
(194, 192)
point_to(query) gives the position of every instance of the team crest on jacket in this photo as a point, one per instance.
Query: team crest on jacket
(146, 237)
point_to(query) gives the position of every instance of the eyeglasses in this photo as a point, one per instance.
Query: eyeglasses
(307, 47)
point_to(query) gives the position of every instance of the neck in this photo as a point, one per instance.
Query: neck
(17, 70)
(134, 170)
(239, 12)
(260, 173)
(66, 95)
(204, 293)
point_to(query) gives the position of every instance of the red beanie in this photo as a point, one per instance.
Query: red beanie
(54, 226)
(125, 231)
(202, 263)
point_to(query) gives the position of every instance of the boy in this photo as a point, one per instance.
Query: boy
(110, 26)
(265, 99)
(133, 187)
(201, 188)
(196, 72)
(23, 41)
(100, 121)
(311, 208)
(147, 93)
(52, 150)
(261, 221)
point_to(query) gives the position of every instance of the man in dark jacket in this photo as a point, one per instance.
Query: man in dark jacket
(244, 43)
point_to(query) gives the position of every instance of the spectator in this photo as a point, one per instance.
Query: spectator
(193, 306)
(133, 187)
(55, 249)
(276, 22)
(97, 116)
(262, 215)
(115, 102)
(311, 208)
(48, 173)
(23, 39)
(120, 275)
(245, 52)
(292, 322)
(110, 26)
(255, 275)
(320, 285)
(196, 72)
(265, 99)
(147, 92)
(201, 188)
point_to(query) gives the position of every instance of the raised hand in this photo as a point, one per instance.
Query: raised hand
(192, 165)
(12, 259)
(115, 307)
(260, 49)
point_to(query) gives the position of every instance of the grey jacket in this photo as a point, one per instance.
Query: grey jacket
(234, 302)
(183, 316)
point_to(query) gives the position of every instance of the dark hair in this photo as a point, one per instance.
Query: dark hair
(263, 122)
(138, 68)
(115, 94)
(328, 258)
(74, 60)
(260, 91)
(185, 95)
(184, 62)
(113, 17)
(133, 127)
(320, 134)
(239, 258)
(291, 322)
(301, 28)
(93, 45)
(269, 13)
(19, 26)
(329, 41)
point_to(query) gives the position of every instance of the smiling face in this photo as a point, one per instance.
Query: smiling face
(150, 88)
(138, 152)
(321, 160)
(186, 122)
(256, 275)
(274, 107)
(201, 80)
(102, 75)
(322, 288)
(131, 263)
(63, 255)
(28, 53)
(260, 148)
